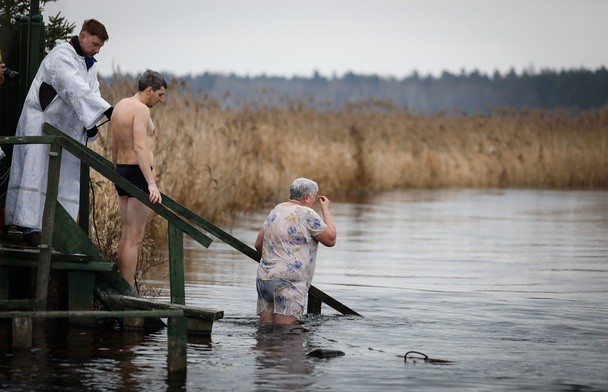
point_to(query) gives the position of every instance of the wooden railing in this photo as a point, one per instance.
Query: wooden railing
(180, 220)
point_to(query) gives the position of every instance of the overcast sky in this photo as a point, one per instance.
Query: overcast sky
(383, 37)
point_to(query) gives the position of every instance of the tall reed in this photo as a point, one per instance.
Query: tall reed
(217, 161)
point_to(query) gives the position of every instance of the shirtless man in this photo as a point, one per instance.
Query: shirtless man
(132, 132)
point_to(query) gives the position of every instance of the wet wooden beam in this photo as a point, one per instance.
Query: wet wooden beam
(93, 313)
(17, 304)
(177, 282)
(199, 320)
(335, 304)
(48, 226)
(313, 305)
(63, 265)
(189, 311)
(177, 361)
(22, 331)
(27, 139)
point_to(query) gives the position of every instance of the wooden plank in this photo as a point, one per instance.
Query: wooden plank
(199, 321)
(199, 326)
(17, 304)
(33, 254)
(94, 313)
(81, 287)
(61, 265)
(177, 281)
(189, 311)
(70, 239)
(48, 139)
(333, 303)
(48, 219)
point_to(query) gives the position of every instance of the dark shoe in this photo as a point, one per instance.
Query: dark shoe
(31, 239)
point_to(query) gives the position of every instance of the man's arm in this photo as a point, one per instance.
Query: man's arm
(143, 154)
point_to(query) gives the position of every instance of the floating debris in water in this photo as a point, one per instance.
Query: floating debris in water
(325, 353)
(425, 358)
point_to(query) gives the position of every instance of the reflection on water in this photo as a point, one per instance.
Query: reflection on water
(279, 358)
(510, 285)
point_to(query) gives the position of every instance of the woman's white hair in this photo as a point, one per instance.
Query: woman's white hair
(301, 187)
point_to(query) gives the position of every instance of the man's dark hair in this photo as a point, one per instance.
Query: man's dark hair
(151, 79)
(96, 28)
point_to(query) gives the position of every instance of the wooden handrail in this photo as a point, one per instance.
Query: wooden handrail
(105, 168)
(178, 216)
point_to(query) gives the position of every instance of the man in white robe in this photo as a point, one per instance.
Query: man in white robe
(65, 93)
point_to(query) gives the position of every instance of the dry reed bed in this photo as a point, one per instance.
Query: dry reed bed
(218, 162)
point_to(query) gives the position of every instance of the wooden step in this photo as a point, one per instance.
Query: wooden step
(200, 320)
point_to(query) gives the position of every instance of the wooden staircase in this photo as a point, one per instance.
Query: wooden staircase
(65, 246)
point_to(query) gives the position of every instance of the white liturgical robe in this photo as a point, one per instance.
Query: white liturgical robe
(77, 106)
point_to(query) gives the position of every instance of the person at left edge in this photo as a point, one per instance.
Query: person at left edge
(2, 68)
(64, 93)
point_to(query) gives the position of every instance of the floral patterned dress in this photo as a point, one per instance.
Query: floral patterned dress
(289, 253)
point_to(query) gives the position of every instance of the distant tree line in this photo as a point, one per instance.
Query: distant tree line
(474, 92)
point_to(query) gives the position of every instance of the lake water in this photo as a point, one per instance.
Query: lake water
(510, 286)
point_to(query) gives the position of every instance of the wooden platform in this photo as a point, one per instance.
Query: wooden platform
(83, 272)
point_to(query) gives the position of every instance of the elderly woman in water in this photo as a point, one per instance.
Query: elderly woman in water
(287, 245)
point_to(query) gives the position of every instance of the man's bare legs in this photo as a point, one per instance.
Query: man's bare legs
(133, 217)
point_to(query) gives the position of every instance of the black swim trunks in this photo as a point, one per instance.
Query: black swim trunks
(132, 173)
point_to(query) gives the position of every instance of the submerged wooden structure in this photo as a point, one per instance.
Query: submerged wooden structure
(66, 247)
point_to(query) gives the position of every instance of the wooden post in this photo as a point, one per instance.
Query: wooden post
(84, 206)
(177, 346)
(22, 332)
(177, 328)
(176, 265)
(81, 285)
(4, 281)
(48, 219)
(314, 304)
(4, 286)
